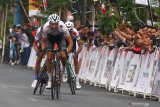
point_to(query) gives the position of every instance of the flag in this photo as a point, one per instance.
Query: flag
(45, 4)
(102, 8)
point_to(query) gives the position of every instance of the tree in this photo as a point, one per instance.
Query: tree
(109, 20)
(131, 13)
(4, 9)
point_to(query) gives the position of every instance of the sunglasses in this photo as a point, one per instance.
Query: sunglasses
(53, 23)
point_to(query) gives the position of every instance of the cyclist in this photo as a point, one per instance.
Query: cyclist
(56, 32)
(76, 40)
(40, 54)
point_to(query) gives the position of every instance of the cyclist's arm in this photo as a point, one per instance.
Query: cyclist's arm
(35, 46)
(79, 41)
(43, 43)
(70, 41)
(80, 44)
(44, 38)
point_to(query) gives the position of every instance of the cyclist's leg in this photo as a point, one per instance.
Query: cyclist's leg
(63, 56)
(49, 64)
(76, 66)
(37, 69)
(38, 63)
(49, 47)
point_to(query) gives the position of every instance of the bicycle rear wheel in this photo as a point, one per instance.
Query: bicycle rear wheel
(72, 86)
(42, 80)
(36, 88)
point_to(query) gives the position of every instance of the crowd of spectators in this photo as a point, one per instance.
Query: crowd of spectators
(20, 42)
(139, 40)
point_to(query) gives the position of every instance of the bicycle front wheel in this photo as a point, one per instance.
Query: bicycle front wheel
(71, 79)
(53, 81)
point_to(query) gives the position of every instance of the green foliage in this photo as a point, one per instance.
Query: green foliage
(127, 8)
(108, 24)
(10, 20)
(157, 11)
(157, 25)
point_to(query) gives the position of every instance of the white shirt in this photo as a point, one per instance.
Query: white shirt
(24, 41)
(61, 29)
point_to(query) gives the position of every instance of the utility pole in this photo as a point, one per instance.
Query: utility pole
(25, 11)
(150, 11)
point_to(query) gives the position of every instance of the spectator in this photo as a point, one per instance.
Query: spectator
(12, 41)
(28, 31)
(17, 45)
(24, 42)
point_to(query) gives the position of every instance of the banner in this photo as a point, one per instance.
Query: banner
(153, 3)
(142, 2)
(93, 63)
(133, 72)
(101, 79)
(96, 77)
(110, 66)
(118, 69)
(33, 11)
(145, 74)
(152, 72)
(127, 58)
(85, 63)
(105, 75)
(156, 82)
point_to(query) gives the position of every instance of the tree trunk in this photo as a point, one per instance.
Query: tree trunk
(2, 30)
(2, 23)
(4, 37)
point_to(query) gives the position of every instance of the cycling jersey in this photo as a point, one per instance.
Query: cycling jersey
(61, 29)
(75, 34)
(75, 37)
(58, 35)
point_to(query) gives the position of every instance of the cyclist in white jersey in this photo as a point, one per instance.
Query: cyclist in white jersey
(55, 32)
(76, 40)
(40, 54)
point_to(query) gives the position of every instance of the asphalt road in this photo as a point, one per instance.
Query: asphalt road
(15, 91)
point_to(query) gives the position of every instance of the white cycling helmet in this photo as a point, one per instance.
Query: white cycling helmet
(69, 25)
(54, 18)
